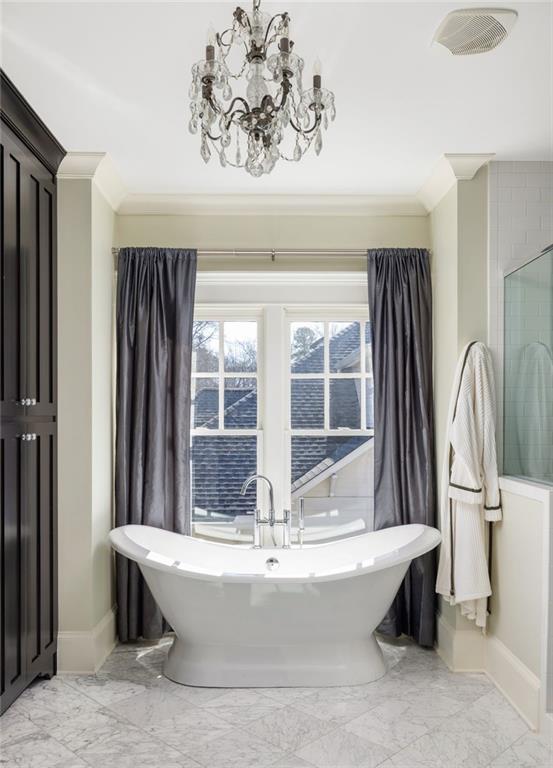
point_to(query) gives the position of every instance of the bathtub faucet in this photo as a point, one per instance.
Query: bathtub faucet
(272, 521)
(251, 480)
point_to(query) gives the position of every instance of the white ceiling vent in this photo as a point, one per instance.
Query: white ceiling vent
(475, 30)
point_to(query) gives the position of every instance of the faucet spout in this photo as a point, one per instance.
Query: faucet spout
(253, 479)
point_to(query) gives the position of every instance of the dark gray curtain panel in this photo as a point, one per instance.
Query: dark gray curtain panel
(154, 317)
(400, 307)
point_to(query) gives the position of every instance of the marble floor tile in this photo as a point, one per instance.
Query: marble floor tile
(333, 710)
(465, 687)
(190, 730)
(340, 749)
(15, 725)
(52, 696)
(289, 729)
(238, 749)
(126, 746)
(292, 761)
(104, 689)
(391, 724)
(151, 706)
(471, 739)
(286, 695)
(198, 696)
(530, 751)
(38, 750)
(243, 706)
(79, 730)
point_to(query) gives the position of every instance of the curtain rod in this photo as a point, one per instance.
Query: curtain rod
(273, 252)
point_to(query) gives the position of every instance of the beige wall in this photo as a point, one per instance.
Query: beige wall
(458, 227)
(85, 268)
(103, 223)
(75, 398)
(443, 222)
(263, 231)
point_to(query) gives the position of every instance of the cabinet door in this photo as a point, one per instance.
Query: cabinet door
(28, 297)
(40, 547)
(14, 669)
(40, 233)
(13, 319)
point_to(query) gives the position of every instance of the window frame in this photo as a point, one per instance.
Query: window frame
(221, 314)
(326, 314)
(274, 432)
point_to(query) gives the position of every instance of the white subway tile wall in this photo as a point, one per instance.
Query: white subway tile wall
(520, 221)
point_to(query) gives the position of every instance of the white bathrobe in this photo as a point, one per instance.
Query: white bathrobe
(470, 488)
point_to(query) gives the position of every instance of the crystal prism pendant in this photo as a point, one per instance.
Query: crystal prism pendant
(318, 142)
(297, 151)
(222, 159)
(193, 126)
(227, 92)
(205, 152)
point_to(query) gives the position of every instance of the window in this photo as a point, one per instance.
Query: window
(285, 394)
(224, 416)
(331, 413)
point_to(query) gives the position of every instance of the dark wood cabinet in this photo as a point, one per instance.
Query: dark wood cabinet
(30, 157)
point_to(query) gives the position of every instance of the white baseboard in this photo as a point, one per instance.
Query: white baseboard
(471, 651)
(86, 651)
(461, 650)
(515, 681)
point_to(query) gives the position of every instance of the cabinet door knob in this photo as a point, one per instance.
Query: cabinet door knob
(32, 401)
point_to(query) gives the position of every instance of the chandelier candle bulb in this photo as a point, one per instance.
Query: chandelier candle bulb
(317, 74)
(210, 44)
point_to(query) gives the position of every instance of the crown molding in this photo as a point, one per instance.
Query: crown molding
(98, 168)
(21, 118)
(450, 169)
(273, 205)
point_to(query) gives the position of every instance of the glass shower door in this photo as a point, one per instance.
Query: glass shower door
(528, 373)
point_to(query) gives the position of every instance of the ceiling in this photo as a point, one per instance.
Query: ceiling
(113, 77)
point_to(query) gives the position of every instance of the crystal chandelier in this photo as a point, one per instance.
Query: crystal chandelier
(275, 118)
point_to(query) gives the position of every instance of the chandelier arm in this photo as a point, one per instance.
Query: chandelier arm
(220, 36)
(270, 24)
(286, 88)
(232, 121)
(233, 102)
(306, 131)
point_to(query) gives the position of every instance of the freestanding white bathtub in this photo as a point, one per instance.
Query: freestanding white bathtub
(274, 617)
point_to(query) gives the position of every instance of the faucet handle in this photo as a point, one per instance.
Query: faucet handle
(287, 522)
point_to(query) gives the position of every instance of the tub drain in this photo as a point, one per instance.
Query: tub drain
(272, 563)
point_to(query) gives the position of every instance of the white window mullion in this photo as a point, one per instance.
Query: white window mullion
(326, 369)
(221, 375)
(363, 381)
(275, 380)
